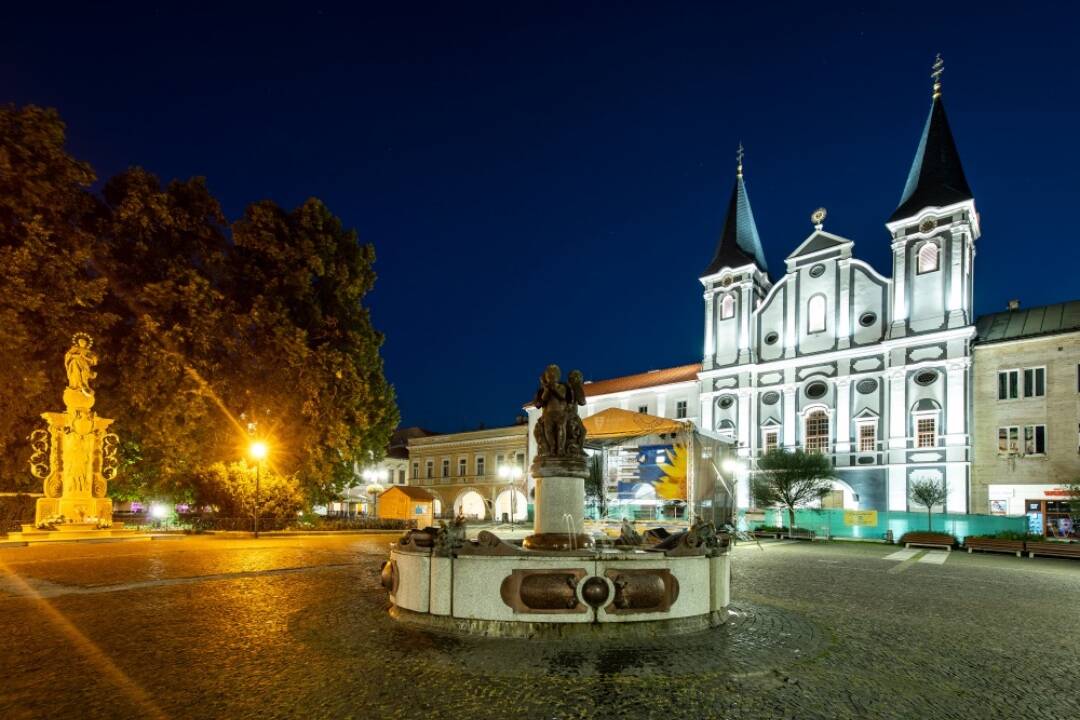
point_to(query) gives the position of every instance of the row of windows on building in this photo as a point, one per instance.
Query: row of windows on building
(463, 466)
(680, 409)
(1034, 383)
(816, 433)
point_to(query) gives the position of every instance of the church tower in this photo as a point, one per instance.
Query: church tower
(933, 230)
(735, 282)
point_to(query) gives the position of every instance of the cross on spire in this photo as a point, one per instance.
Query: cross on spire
(738, 160)
(939, 67)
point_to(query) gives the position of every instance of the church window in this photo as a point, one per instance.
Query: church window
(770, 398)
(928, 258)
(815, 314)
(867, 386)
(727, 307)
(770, 439)
(726, 429)
(927, 377)
(867, 436)
(817, 271)
(816, 390)
(726, 402)
(867, 319)
(816, 437)
(771, 338)
(926, 431)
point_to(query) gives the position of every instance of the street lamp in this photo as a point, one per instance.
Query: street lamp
(257, 450)
(374, 477)
(511, 473)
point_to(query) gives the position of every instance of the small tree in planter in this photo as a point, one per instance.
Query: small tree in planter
(928, 493)
(791, 479)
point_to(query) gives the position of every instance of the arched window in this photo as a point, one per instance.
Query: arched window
(726, 429)
(727, 307)
(816, 437)
(928, 258)
(815, 314)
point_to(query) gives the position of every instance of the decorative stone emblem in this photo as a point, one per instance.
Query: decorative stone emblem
(927, 225)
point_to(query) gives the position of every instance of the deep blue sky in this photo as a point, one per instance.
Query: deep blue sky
(544, 170)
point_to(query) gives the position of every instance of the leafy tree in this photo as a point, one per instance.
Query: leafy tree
(207, 330)
(791, 479)
(230, 489)
(928, 493)
(594, 484)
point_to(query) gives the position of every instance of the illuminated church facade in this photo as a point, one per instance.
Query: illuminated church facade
(829, 356)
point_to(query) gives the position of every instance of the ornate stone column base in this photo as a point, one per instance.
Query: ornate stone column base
(560, 505)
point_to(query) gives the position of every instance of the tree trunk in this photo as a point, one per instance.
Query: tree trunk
(930, 519)
(791, 521)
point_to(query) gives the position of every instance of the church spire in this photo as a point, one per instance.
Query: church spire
(936, 178)
(739, 243)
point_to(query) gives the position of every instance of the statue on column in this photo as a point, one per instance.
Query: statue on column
(76, 456)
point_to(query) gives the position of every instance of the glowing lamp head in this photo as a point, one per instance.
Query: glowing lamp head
(159, 511)
(257, 450)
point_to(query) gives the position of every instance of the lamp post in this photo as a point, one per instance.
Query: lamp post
(511, 473)
(257, 451)
(375, 477)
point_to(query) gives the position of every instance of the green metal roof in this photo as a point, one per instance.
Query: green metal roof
(1016, 324)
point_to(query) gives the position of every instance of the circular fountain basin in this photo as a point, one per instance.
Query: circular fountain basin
(492, 588)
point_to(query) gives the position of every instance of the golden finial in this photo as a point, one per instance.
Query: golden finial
(738, 160)
(939, 67)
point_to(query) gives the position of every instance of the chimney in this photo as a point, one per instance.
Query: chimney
(1014, 305)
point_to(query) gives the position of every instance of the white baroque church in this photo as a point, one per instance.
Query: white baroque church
(829, 356)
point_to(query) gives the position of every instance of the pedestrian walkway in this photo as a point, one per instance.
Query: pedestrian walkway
(930, 557)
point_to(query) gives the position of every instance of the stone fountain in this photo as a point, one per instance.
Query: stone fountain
(559, 580)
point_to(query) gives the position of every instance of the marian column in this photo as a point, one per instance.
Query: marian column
(76, 456)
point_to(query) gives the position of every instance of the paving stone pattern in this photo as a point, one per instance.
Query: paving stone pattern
(297, 628)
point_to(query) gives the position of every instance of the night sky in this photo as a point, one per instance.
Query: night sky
(545, 182)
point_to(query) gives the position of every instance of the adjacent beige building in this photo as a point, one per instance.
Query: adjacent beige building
(1027, 414)
(479, 474)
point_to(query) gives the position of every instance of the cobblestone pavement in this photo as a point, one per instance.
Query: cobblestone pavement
(297, 628)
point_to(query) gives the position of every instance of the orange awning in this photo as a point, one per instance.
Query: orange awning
(616, 423)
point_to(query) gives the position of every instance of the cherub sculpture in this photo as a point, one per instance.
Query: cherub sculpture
(560, 432)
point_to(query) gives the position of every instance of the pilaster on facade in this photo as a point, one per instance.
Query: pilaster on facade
(843, 415)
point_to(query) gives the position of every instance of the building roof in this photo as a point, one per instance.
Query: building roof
(936, 178)
(739, 243)
(1033, 322)
(682, 373)
(411, 491)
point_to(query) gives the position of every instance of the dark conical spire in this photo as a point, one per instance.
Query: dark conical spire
(739, 242)
(936, 178)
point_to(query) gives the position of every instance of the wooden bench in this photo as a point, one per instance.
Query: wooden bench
(928, 539)
(1054, 549)
(995, 545)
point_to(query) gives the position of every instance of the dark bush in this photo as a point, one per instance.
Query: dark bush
(14, 511)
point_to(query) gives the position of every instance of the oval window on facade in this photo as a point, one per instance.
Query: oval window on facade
(817, 271)
(926, 377)
(771, 338)
(866, 386)
(770, 398)
(816, 390)
(867, 319)
(726, 402)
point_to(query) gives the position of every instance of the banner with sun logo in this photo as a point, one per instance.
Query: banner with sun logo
(663, 468)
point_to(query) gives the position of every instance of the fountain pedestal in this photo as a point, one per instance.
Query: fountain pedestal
(559, 522)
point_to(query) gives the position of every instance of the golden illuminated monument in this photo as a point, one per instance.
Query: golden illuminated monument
(76, 456)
